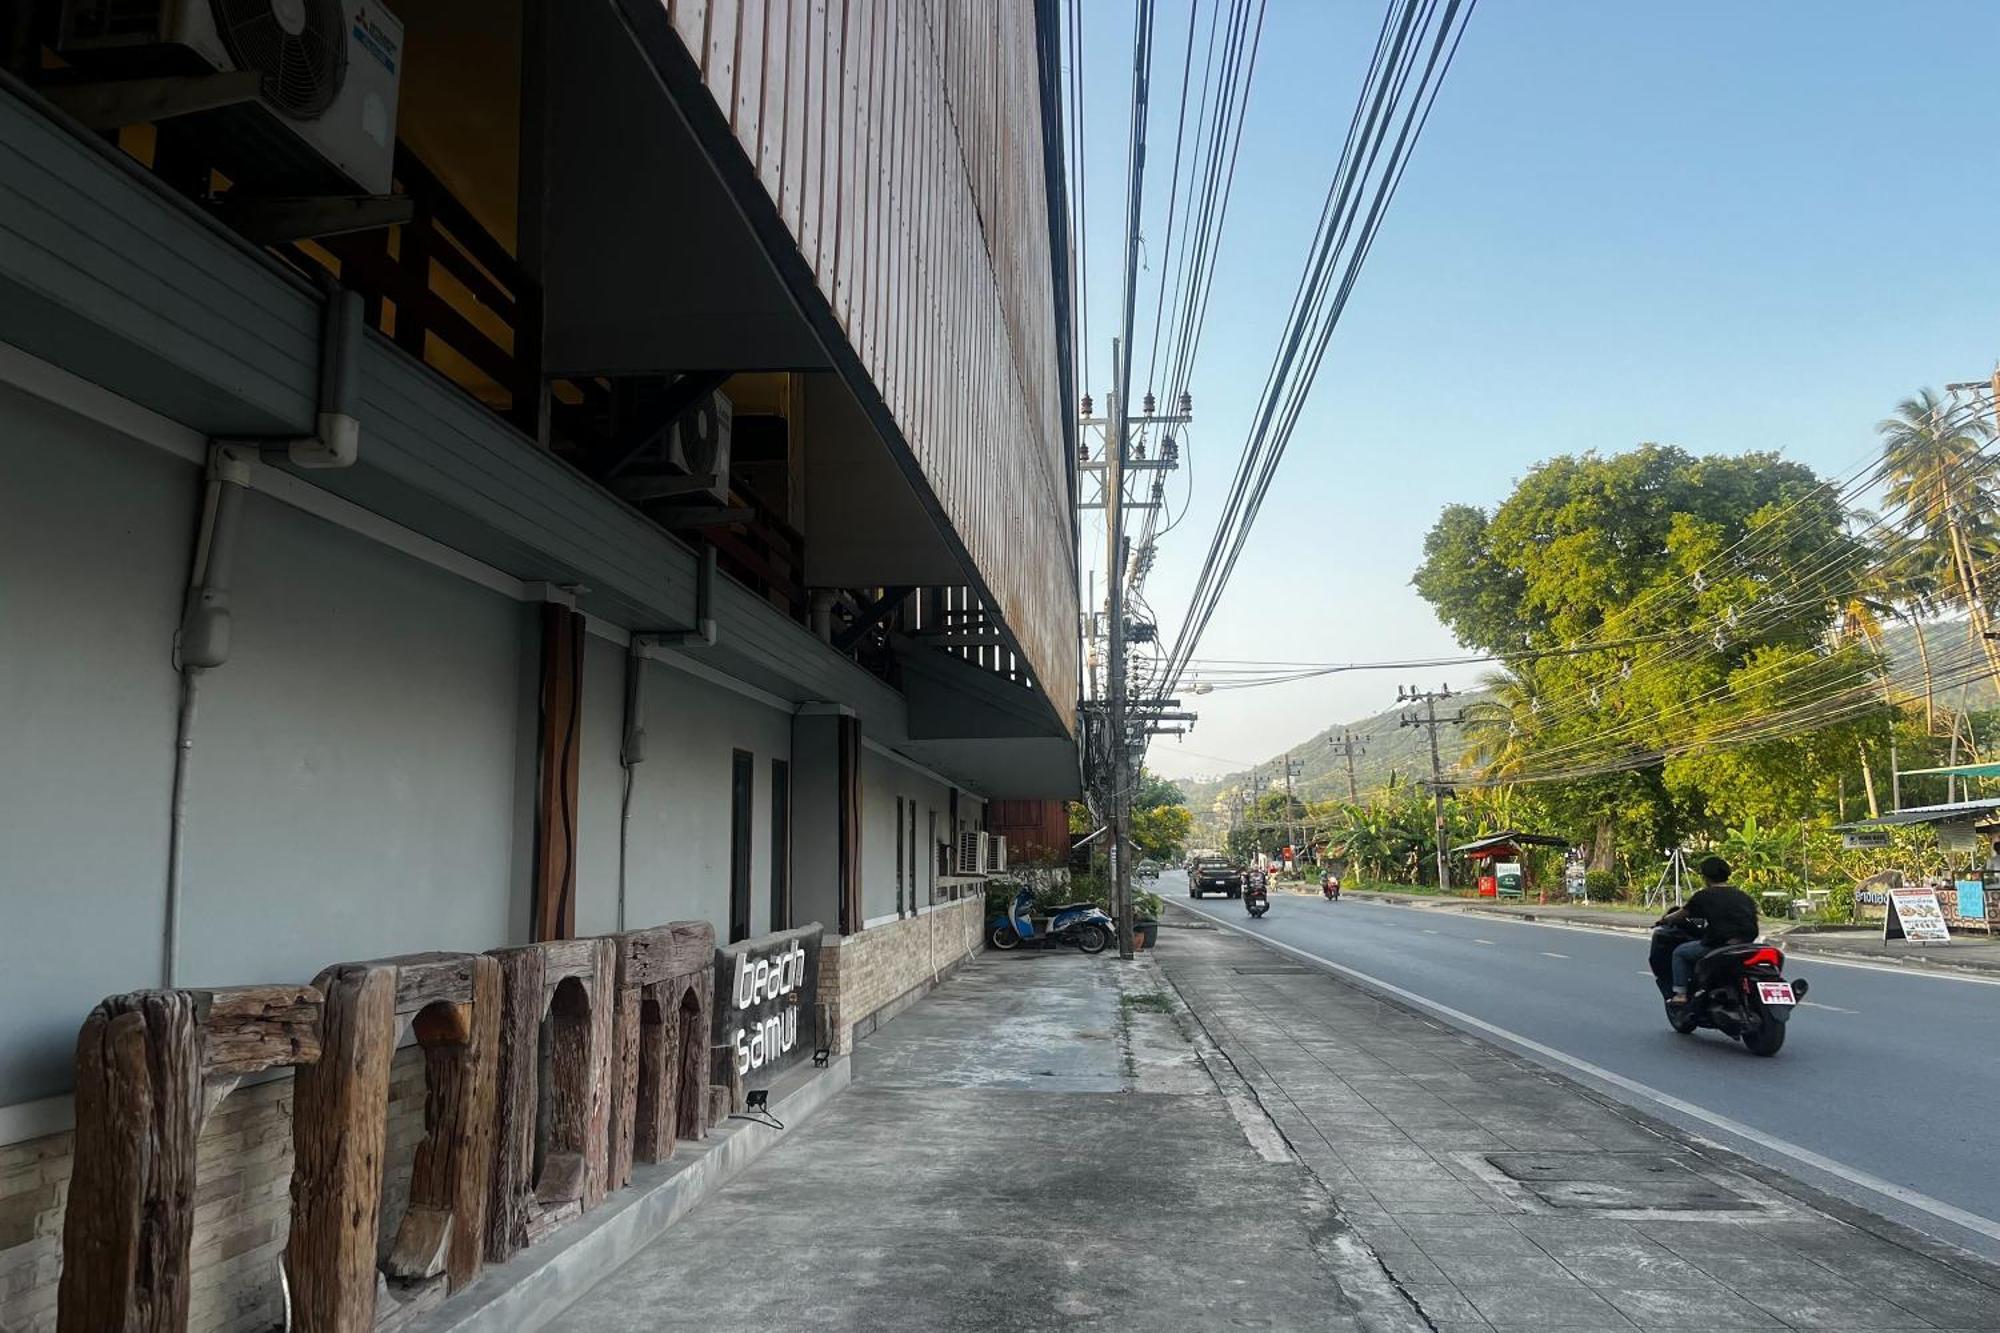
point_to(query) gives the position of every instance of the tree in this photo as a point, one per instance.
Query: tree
(1155, 791)
(1161, 831)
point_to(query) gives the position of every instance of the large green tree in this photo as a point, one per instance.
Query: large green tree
(1648, 602)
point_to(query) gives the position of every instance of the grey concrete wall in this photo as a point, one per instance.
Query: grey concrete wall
(677, 862)
(87, 700)
(883, 781)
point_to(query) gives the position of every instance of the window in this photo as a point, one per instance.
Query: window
(781, 845)
(916, 879)
(742, 778)
(930, 831)
(899, 856)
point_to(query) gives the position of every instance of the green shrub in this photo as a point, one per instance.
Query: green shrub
(1601, 886)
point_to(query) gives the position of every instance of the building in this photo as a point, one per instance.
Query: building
(571, 470)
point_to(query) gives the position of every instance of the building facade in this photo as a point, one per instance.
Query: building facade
(605, 500)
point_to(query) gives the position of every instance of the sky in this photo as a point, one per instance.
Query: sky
(1716, 224)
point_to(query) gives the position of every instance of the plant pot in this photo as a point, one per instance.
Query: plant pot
(1144, 934)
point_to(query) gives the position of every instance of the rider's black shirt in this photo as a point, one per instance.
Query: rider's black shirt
(1731, 914)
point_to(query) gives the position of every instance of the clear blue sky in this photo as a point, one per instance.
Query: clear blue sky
(1710, 223)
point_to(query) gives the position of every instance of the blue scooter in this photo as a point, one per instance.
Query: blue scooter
(1083, 924)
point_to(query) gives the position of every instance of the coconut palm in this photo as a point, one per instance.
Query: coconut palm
(1941, 478)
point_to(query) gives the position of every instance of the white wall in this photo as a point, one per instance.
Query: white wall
(883, 780)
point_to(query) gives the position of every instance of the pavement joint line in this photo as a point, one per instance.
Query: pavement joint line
(1864, 1180)
(1914, 967)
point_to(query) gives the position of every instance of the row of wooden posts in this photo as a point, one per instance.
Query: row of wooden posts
(627, 1075)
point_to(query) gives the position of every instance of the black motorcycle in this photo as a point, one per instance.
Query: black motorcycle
(1739, 990)
(1256, 895)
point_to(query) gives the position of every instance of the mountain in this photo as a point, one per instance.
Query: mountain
(1384, 747)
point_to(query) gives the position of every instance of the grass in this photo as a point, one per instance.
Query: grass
(1158, 1002)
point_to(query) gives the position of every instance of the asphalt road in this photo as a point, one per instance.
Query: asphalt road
(1885, 1092)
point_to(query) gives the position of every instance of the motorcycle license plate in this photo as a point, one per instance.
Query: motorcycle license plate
(1776, 992)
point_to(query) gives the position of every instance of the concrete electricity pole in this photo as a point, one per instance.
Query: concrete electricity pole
(1291, 809)
(1114, 593)
(1347, 749)
(1430, 721)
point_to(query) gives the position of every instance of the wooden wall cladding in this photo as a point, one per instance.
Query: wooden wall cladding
(902, 144)
(149, 1067)
(665, 1000)
(339, 1126)
(570, 985)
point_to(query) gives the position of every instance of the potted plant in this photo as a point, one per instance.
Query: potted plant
(1146, 919)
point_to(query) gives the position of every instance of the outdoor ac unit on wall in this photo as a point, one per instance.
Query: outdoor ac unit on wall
(699, 445)
(996, 854)
(325, 122)
(971, 852)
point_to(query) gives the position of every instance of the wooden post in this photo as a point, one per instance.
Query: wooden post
(655, 969)
(554, 909)
(512, 1184)
(148, 1066)
(339, 1124)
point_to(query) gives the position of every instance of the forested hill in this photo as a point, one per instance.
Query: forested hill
(1385, 747)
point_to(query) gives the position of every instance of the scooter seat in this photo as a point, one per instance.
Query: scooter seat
(1069, 907)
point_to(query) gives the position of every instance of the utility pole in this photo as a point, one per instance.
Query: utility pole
(1114, 594)
(1291, 808)
(1430, 721)
(1346, 748)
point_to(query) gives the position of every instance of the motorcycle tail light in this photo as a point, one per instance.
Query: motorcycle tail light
(1766, 957)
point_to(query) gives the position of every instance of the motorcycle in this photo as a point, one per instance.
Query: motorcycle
(1331, 888)
(1739, 990)
(1086, 925)
(1256, 896)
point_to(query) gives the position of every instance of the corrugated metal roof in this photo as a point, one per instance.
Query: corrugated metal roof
(1927, 814)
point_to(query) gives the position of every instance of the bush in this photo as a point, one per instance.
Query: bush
(1601, 886)
(1839, 903)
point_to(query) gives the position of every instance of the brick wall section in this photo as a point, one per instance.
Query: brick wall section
(860, 975)
(243, 1206)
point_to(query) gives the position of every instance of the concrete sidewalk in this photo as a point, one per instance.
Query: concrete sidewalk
(1504, 1197)
(1045, 1142)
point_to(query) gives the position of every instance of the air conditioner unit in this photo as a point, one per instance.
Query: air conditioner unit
(996, 854)
(325, 122)
(699, 445)
(971, 852)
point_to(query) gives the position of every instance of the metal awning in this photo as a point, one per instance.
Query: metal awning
(1927, 814)
(1510, 837)
(1954, 770)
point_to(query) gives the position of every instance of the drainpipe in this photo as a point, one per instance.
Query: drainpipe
(822, 613)
(632, 750)
(201, 643)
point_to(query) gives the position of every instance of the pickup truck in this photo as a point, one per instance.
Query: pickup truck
(1215, 875)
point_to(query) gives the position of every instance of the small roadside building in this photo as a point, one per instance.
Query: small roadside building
(1495, 850)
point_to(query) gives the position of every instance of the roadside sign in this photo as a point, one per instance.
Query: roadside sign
(1575, 879)
(1971, 899)
(1915, 915)
(1507, 875)
(1957, 836)
(1864, 839)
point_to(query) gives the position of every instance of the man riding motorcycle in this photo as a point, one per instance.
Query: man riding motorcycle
(1718, 913)
(1330, 886)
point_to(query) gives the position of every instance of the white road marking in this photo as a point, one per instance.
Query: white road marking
(1815, 1004)
(1482, 941)
(1429, 931)
(1902, 1194)
(1547, 954)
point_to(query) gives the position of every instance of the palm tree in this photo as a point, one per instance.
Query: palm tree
(1940, 477)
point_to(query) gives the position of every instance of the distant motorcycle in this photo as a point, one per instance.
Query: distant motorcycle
(1330, 886)
(1739, 990)
(1086, 925)
(1256, 894)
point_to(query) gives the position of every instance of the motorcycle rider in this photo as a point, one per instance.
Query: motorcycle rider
(1716, 914)
(1330, 886)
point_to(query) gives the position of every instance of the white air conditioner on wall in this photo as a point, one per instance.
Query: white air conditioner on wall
(971, 852)
(325, 120)
(699, 445)
(996, 854)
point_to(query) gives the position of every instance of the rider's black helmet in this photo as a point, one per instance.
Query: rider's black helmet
(1714, 869)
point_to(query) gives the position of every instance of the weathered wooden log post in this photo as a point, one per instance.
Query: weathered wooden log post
(571, 984)
(150, 1065)
(339, 1128)
(657, 970)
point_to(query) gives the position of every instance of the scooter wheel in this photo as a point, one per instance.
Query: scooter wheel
(1092, 938)
(1004, 937)
(1766, 1039)
(1682, 1020)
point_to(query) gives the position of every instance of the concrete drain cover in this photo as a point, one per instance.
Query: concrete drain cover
(1652, 1182)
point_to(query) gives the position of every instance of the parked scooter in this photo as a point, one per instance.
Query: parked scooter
(1739, 990)
(1256, 893)
(1085, 925)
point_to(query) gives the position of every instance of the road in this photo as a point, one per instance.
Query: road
(1884, 1093)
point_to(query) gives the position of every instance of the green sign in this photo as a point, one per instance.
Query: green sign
(1507, 877)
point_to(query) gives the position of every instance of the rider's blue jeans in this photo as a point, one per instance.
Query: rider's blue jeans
(1685, 958)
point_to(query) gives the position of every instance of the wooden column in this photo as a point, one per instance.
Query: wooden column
(148, 1067)
(554, 910)
(655, 969)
